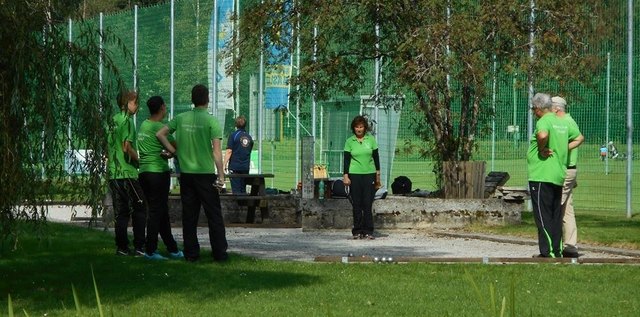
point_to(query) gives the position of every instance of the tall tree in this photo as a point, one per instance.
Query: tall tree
(442, 52)
(44, 114)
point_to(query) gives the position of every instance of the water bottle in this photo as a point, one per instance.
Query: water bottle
(321, 190)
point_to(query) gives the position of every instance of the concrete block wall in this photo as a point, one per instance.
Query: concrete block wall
(394, 212)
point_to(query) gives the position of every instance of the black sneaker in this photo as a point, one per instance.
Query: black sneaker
(222, 258)
(123, 252)
(570, 254)
(139, 253)
(368, 237)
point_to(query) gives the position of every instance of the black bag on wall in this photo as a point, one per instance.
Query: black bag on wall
(401, 185)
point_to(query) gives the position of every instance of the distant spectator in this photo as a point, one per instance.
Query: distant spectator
(603, 152)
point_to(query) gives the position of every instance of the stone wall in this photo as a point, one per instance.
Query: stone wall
(282, 210)
(394, 212)
(399, 212)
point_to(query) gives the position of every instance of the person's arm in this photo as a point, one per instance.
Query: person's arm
(376, 162)
(576, 142)
(347, 162)
(162, 137)
(542, 138)
(128, 149)
(217, 156)
(225, 161)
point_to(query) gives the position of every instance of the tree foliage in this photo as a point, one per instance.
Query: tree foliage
(44, 116)
(442, 52)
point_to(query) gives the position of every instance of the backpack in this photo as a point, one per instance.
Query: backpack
(401, 185)
(338, 189)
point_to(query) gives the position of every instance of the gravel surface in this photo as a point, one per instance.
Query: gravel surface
(298, 245)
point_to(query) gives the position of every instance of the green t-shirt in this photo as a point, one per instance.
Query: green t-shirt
(149, 148)
(552, 169)
(195, 130)
(361, 154)
(573, 154)
(119, 163)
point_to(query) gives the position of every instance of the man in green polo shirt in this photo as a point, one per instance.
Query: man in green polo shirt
(128, 197)
(569, 228)
(155, 180)
(199, 138)
(546, 161)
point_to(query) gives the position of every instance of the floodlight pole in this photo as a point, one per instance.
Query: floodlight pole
(171, 63)
(69, 95)
(135, 59)
(297, 100)
(608, 103)
(629, 104)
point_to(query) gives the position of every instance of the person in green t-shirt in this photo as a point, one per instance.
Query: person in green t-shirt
(546, 162)
(569, 228)
(199, 138)
(155, 179)
(128, 197)
(362, 176)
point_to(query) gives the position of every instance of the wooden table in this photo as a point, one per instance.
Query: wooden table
(256, 197)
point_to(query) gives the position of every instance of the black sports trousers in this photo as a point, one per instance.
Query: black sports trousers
(156, 190)
(362, 191)
(128, 203)
(198, 190)
(546, 201)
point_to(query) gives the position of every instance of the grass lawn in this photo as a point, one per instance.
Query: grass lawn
(605, 228)
(40, 274)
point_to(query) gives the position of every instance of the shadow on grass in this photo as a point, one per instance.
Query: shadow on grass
(39, 275)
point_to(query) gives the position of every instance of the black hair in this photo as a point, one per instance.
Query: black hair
(199, 95)
(359, 120)
(155, 103)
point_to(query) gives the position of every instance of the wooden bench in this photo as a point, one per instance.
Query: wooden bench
(255, 198)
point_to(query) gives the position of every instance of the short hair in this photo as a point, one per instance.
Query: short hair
(541, 101)
(559, 103)
(359, 120)
(124, 96)
(199, 95)
(155, 103)
(241, 122)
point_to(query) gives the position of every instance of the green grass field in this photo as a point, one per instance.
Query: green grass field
(40, 274)
(600, 186)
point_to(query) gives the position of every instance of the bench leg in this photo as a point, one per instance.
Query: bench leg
(264, 213)
(251, 214)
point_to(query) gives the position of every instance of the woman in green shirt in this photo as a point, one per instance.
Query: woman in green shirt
(362, 176)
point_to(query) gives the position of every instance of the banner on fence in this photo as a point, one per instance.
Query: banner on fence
(224, 31)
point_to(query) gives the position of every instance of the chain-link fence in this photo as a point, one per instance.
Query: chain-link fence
(171, 48)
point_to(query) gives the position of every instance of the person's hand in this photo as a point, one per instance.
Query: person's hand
(545, 152)
(346, 180)
(166, 154)
(219, 184)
